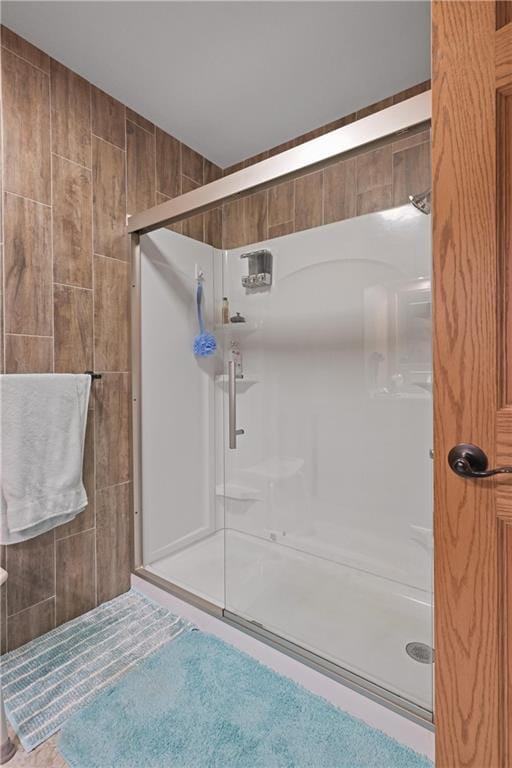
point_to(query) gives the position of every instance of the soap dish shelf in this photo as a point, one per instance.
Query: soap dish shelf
(238, 492)
(242, 384)
(236, 329)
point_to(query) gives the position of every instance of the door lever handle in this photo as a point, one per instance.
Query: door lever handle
(468, 460)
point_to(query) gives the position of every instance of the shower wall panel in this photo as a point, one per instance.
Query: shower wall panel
(337, 378)
(177, 396)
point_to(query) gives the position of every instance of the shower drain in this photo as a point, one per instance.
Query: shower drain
(420, 652)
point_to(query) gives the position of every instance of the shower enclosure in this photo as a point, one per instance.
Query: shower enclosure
(285, 483)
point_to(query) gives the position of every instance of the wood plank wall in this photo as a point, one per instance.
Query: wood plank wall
(76, 161)
(372, 179)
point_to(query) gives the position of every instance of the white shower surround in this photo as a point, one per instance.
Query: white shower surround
(327, 502)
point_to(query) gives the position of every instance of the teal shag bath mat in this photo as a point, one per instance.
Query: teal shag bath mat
(199, 703)
(47, 680)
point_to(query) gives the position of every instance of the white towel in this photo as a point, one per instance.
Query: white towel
(43, 421)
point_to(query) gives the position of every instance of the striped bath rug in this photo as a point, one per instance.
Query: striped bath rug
(50, 678)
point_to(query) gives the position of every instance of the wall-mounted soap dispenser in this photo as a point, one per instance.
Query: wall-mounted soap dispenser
(260, 269)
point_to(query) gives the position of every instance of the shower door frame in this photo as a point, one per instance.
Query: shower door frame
(317, 153)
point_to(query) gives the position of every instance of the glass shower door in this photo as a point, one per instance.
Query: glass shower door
(328, 436)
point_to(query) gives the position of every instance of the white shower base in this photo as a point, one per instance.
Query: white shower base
(198, 568)
(355, 619)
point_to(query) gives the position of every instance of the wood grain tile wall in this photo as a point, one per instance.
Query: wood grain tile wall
(371, 180)
(75, 162)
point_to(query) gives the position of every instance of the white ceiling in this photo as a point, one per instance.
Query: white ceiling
(234, 78)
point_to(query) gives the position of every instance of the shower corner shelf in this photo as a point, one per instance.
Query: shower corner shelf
(238, 492)
(242, 384)
(236, 329)
(401, 395)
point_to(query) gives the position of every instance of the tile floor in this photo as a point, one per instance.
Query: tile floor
(44, 756)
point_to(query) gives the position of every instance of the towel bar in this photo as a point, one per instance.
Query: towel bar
(93, 375)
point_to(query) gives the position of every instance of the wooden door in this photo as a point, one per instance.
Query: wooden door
(472, 242)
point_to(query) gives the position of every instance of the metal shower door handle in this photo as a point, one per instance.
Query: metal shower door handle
(468, 460)
(233, 431)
